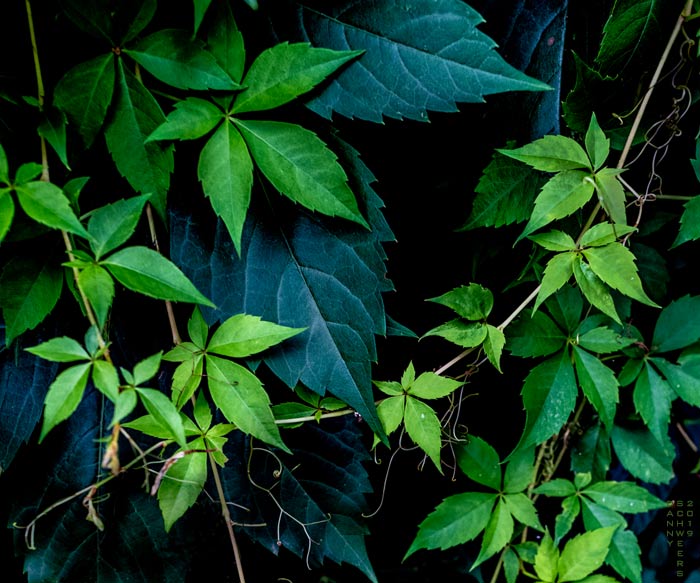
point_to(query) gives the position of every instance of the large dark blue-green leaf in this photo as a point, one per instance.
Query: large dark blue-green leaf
(419, 56)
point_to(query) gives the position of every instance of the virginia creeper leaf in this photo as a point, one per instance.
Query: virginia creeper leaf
(493, 345)
(138, 15)
(643, 455)
(429, 385)
(497, 533)
(224, 40)
(611, 194)
(391, 412)
(7, 213)
(557, 273)
(244, 335)
(534, 334)
(46, 204)
(570, 509)
(106, 379)
(286, 71)
(53, 130)
(678, 325)
(60, 349)
(4, 167)
(598, 383)
(625, 497)
(192, 118)
(111, 225)
(146, 271)
(559, 487)
(652, 399)
(480, 462)
(592, 452)
(594, 289)
(98, 286)
(584, 553)
(64, 396)
(684, 377)
(603, 340)
(597, 144)
(520, 471)
(555, 241)
(604, 233)
(689, 222)
(301, 167)
(423, 427)
(523, 510)
(546, 559)
(461, 333)
(471, 302)
(164, 413)
(551, 154)
(176, 58)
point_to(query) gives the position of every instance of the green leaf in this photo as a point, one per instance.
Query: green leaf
(652, 399)
(594, 289)
(145, 271)
(523, 510)
(63, 349)
(564, 194)
(625, 497)
(556, 274)
(480, 462)
(29, 291)
(176, 58)
(192, 118)
(27, 172)
(471, 302)
(182, 483)
(461, 333)
(534, 334)
(493, 345)
(570, 509)
(555, 241)
(432, 386)
(598, 383)
(457, 519)
(391, 388)
(242, 399)
(391, 412)
(549, 395)
(46, 204)
(611, 194)
(689, 222)
(505, 194)
(147, 368)
(604, 233)
(111, 225)
(4, 167)
(64, 396)
(138, 16)
(678, 325)
(511, 565)
(546, 559)
(106, 379)
(85, 93)
(520, 471)
(124, 404)
(98, 286)
(284, 72)
(164, 413)
(423, 427)
(683, 378)
(186, 380)
(643, 455)
(301, 167)
(225, 41)
(614, 264)
(558, 487)
(597, 144)
(198, 328)
(603, 340)
(7, 213)
(497, 533)
(226, 172)
(135, 115)
(552, 153)
(584, 553)
(53, 130)
(591, 453)
(244, 335)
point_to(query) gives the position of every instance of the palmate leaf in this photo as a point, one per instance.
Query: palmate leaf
(598, 383)
(678, 325)
(419, 56)
(643, 455)
(224, 40)
(112, 225)
(652, 399)
(302, 275)
(47, 204)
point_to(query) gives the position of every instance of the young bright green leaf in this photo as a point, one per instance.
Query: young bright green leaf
(197, 328)
(98, 286)
(603, 340)
(182, 352)
(391, 388)
(164, 413)
(594, 289)
(547, 559)
(678, 325)
(244, 335)
(7, 213)
(111, 225)
(409, 376)
(423, 427)
(182, 483)
(570, 509)
(124, 404)
(551, 154)
(147, 368)
(598, 383)
(549, 395)
(242, 399)
(106, 379)
(225, 41)
(53, 130)
(27, 172)
(186, 380)
(558, 487)
(614, 264)
(479, 462)
(534, 334)
(555, 241)
(456, 520)
(493, 345)
(497, 533)
(135, 115)
(557, 273)
(176, 58)
(597, 144)
(471, 302)
(584, 553)
(625, 497)
(461, 333)
(523, 510)
(45, 203)
(643, 455)
(146, 271)
(520, 471)
(689, 223)
(652, 399)
(284, 72)
(429, 385)
(564, 194)
(391, 413)
(301, 167)
(29, 291)
(683, 378)
(64, 396)
(192, 118)
(63, 349)
(604, 233)
(611, 194)
(226, 172)
(84, 94)
(4, 167)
